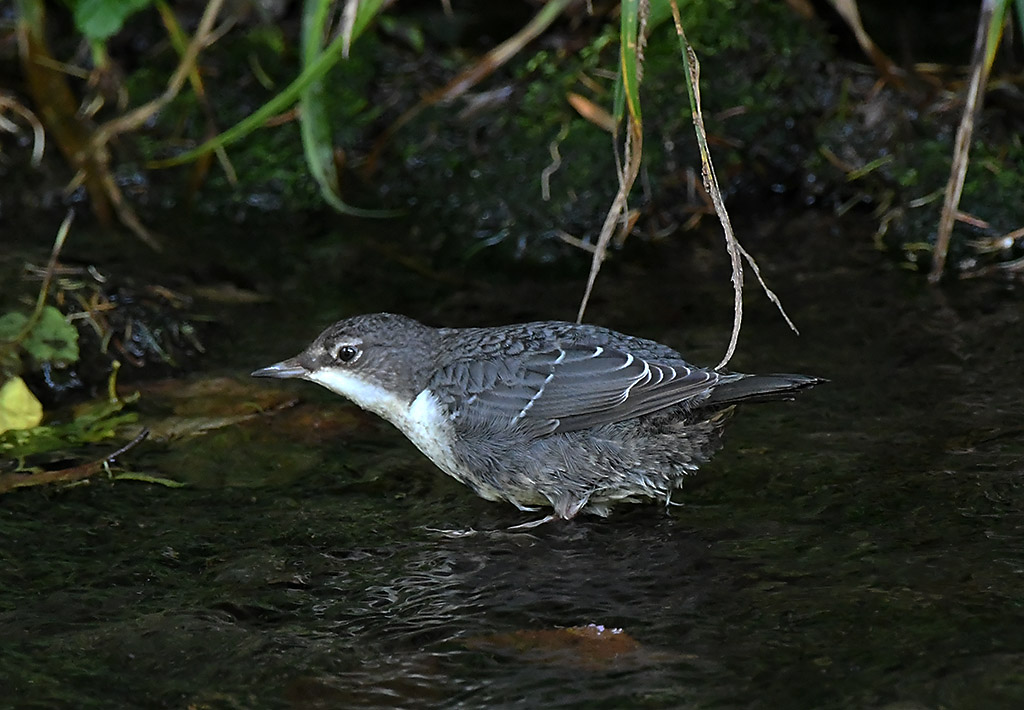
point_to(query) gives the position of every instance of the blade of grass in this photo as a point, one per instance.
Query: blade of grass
(51, 266)
(204, 35)
(735, 249)
(179, 40)
(331, 54)
(1019, 5)
(314, 117)
(990, 26)
(631, 54)
(627, 100)
(850, 13)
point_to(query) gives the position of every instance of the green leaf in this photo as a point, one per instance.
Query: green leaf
(52, 338)
(100, 19)
(66, 437)
(11, 325)
(19, 408)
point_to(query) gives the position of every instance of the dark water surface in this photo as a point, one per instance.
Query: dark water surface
(861, 547)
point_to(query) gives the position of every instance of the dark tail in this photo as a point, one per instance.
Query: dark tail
(759, 388)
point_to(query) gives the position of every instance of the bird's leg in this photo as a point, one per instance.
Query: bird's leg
(566, 508)
(535, 523)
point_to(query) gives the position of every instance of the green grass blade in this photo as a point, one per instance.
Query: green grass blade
(314, 116)
(628, 51)
(331, 54)
(995, 31)
(1019, 5)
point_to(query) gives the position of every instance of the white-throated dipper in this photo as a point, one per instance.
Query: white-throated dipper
(575, 417)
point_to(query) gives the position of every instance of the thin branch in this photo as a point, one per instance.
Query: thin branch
(710, 180)
(11, 481)
(38, 132)
(627, 176)
(51, 267)
(133, 119)
(631, 61)
(962, 147)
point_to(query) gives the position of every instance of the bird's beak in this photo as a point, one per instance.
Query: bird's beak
(283, 370)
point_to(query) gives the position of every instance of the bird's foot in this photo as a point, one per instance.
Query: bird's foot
(535, 523)
(669, 502)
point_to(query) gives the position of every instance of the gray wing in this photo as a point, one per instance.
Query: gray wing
(570, 388)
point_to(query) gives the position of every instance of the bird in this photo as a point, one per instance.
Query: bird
(544, 415)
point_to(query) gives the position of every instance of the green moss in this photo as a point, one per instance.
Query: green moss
(496, 158)
(782, 113)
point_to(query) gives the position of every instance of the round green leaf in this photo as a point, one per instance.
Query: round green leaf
(100, 19)
(52, 339)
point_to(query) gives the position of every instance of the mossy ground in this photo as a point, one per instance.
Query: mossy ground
(787, 116)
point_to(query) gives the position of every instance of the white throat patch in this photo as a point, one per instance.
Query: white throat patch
(367, 395)
(422, 421)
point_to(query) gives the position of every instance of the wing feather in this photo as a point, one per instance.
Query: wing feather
(569, 388)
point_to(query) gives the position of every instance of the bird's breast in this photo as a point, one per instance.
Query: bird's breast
(428, 426)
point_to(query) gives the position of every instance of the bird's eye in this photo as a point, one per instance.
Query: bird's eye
(347, 353)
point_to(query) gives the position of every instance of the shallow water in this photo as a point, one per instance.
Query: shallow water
(860, 547)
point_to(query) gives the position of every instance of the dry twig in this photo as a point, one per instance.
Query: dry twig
(735, 249)
(12, 481)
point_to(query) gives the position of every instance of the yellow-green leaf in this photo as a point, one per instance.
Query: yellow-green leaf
(19, 408)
